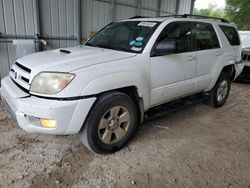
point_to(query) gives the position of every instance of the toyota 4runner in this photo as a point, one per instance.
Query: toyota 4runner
(103, 88)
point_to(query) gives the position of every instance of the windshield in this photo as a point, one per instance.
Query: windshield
(129, 36)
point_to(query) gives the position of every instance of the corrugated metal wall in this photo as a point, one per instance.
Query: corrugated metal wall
(16, 18)
(184, 6)
(95, 15)
(169, 6)
(98, 13)
(59, 19)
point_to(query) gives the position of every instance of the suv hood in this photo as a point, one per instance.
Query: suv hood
(80, 56)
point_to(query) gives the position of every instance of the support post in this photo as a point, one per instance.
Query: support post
(192, 7)
(138, 5)
(37, 20)
(159, 8)
(112, 10)
(37, 16)
(79, 30)
(177, 6)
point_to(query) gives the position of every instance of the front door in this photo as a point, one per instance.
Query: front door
(172, 76)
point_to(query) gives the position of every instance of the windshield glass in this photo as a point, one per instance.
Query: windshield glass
(129, 36)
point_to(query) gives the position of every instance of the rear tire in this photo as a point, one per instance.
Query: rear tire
(219, 94)
(110, 124)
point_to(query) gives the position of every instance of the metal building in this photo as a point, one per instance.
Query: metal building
(63, 23)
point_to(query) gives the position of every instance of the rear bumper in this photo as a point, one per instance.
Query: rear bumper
(238, 68)
(247, 64)
(245, 74)
(69, 115)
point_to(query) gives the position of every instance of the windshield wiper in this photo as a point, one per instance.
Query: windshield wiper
(114, 48)
(101, 46)
(110, 47)
(89, 44)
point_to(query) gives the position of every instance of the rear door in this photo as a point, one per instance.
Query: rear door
(207, 47)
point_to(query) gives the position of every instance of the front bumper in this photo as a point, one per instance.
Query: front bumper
(69, 115)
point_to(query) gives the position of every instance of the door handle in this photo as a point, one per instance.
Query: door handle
(191, 57)
(218, 53)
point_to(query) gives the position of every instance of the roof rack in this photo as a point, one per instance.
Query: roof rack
(135, 17)
(208, 17)
(197, 16)
(173, 15)
(187, 16)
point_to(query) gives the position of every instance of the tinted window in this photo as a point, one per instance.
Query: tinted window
(181, 33)
(204, 37)
(231, 35)
(129, 36)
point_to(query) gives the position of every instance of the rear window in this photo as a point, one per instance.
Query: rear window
(231, 34)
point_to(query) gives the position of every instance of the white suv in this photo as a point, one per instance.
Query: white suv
(103, 88)
(245, 74)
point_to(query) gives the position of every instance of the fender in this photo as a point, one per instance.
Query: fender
(237, 66)
(118, 80)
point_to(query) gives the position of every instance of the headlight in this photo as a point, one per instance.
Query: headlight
(50, 82)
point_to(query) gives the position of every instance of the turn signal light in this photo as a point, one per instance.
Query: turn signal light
(48, 123)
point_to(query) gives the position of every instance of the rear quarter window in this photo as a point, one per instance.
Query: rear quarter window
(231, 34)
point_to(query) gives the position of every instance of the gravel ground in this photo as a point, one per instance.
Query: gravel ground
(198, 146)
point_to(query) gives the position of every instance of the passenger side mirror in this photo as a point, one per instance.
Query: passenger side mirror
(164, 47)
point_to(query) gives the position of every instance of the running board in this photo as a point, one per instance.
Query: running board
(170, 107)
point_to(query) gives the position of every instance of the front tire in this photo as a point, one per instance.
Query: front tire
(219, 94)
(110, 124)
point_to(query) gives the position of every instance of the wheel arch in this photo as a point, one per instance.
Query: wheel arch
(132, 92)
(229, 69)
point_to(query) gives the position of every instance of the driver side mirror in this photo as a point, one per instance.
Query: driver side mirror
(165, 47)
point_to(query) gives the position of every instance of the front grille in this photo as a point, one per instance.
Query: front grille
(25, 79)
(20, 74)
(20, 87)
(23, 67)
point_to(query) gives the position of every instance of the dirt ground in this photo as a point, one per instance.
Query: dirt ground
(198, 146)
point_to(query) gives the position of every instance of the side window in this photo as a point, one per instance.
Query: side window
(179, 31)
(231, 34)
(204, 37)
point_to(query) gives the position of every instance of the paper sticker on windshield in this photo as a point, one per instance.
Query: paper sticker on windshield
(147, 24)
(136, 49)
